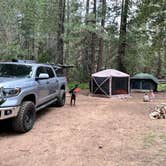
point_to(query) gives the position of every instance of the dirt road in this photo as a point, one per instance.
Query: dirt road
(96, 132)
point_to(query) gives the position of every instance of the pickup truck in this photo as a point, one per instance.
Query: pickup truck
(26, 88)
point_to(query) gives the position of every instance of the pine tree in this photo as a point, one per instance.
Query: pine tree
(122, 35)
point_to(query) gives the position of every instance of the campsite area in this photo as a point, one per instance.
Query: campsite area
(95, 132)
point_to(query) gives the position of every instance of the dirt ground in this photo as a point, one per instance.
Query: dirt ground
(96, 132)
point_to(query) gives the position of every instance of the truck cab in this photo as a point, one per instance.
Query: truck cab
(25, 88)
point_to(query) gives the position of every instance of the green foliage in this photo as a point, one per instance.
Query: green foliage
(161, 87)
(146, 38)
(149, 140)
(163, 137)
(80, 85)
(43, 58)
(28, 29)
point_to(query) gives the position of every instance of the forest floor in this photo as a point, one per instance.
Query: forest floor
(96, 132)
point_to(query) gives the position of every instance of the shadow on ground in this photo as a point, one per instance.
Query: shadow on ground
(6, 125)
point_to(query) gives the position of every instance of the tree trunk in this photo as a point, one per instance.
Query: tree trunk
(93, 41)
(60, 32)
(85, 55)
(101, 42)
(87, 11)
(122, 36)
(159, 64)
(159, 44)
(67, 31)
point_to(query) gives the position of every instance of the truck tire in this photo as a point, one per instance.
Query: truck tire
(25, 118)
(61, 99)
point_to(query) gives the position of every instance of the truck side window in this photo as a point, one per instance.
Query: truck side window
(39, 71)
(49, 72)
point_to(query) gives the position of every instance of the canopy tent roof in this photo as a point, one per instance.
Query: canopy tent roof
(110, 73)
(145, 76)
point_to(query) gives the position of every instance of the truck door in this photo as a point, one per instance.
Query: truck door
(52, 83)
(42, 86)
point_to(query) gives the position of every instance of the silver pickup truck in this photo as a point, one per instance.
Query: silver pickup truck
(26, 88)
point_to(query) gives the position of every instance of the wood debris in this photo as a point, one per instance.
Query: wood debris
(159, 112)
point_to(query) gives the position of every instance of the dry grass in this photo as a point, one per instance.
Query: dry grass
(96, 132)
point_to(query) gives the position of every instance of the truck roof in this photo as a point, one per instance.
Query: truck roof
(34, 63)
(27, 63)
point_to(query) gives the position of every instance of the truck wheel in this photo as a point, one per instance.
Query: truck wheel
(61, 99)
(25, 118)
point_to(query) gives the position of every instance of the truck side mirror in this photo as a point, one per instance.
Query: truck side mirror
(42, 76)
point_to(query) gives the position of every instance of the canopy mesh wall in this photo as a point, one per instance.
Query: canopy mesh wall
(119, 85)
(100, 85)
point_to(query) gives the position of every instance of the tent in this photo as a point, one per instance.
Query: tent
(110, 82)
(144, 81)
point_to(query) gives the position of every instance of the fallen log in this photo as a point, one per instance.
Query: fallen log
(159, 112)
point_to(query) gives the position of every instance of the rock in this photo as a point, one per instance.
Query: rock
(146, 98)
(100, 146)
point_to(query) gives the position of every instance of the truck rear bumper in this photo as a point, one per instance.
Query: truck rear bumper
(8, 112)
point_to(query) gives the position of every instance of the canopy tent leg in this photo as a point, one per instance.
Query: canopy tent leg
(129, 85)
(92, 84)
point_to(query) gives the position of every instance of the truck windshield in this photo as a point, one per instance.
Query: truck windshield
(14, 70)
